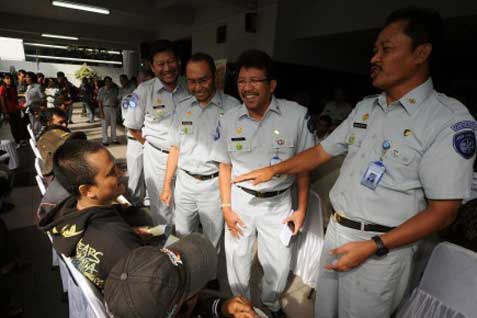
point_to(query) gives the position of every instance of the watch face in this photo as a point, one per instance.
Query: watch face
(382, 251)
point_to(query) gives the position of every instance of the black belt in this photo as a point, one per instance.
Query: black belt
(361, 226)
(259, 194)
(160, 149)
(202, 177)
(131, 138)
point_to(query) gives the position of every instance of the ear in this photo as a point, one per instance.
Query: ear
(422, 53)
(87, 191)
(273, 85)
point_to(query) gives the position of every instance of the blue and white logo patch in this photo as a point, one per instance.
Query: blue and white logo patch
(133, 101)
(464, 143)
(217, 132)
(465, 124)
(125, 102)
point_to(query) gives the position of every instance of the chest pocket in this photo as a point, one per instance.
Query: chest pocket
(283, 147)
(238, 144)
(401, 165)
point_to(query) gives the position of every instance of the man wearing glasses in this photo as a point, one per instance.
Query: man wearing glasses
(196, 195)
(261, 132)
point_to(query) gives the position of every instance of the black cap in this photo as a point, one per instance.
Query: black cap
(154, 282)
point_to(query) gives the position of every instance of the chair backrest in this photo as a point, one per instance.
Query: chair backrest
(38, 167)
(92, 295)
(448, 286)
(35, 149)
(30, 131)
(41, 185)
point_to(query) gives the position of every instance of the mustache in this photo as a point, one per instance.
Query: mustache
(375, 67)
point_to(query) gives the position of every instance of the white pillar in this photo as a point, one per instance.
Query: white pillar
(130, 63)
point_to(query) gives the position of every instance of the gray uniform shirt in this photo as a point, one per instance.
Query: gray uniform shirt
(154, 107)
(249, 144)
(432, 150)
(109, 97)
(33, 94)
(194, 131)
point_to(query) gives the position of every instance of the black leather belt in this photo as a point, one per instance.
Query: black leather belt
(202, 177)
(259, 194)
(131, 138)
(360, 226)
(160, 149)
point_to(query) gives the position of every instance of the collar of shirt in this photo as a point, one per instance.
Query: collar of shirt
(216, 100)
(159, 86)
(411, 100)
(272, 107)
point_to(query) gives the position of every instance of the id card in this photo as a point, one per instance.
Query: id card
(373, 175)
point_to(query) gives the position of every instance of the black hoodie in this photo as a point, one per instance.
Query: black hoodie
(96, 238)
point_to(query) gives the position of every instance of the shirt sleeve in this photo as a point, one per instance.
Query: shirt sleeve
(336, 144)
(219, 151)
(305, 138)
(454, 150)
(136, 112)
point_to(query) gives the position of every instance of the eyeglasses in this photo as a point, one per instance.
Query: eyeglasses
(199, 81)
(252, 81)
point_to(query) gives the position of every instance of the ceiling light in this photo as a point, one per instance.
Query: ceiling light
(56, 36)
(62, 47)
(73, 59)
(80, 6)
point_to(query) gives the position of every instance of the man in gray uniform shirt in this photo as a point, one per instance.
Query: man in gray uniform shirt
(264, 130)
(196, 195)
(408, 166)
(152, 105)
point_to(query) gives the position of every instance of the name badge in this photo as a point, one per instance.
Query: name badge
(360, 125)
(187, 127)
(239, 144)
(373, 175)
(159, 112)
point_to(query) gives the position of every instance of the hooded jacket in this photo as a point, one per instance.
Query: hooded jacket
(96, 238)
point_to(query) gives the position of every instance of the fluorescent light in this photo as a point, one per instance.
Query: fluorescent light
(56, 36)
(62, 47)
(12, 49)
(73, 59)
(79, 6)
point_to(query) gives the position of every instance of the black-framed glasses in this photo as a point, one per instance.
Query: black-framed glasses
(252, 81)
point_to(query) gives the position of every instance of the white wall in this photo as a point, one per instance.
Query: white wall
(50, 69)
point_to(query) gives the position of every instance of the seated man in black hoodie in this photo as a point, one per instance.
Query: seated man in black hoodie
(88, 226)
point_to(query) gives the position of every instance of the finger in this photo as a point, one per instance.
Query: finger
(242, 178)
(338, 250)
(240, 222)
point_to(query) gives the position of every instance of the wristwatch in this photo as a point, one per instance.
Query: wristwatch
(382, 250)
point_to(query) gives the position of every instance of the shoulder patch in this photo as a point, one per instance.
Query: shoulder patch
(465, 124)
(310, 123)
(216, 135)
(464, 143)
(132, 101)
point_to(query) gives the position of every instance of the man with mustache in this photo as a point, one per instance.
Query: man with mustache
(149, 120)
(409, 161)
(196, 195)
(262, 131)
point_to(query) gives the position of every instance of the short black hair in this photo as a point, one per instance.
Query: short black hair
(108, 77)
(60, 74)
(422, 26)
(32, 76)
(203, 57)
(57, 112)
(160, 46)
(70, 166)
(40, 75)
(7, 76)
(22, 72)
(257, 59)
(123, 76)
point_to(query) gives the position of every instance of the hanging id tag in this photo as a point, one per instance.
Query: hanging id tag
(373, 174)
(275, 159)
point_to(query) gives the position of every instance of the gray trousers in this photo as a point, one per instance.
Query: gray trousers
(372, 290)
(135, 164)
(155, 163)
(263, 220)
(198, 201)
(109, 120)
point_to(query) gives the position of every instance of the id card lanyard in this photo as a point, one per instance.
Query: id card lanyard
(376, 169)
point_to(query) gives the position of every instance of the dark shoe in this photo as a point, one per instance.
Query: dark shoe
(105, 143)
(278, 314)
(116, 142)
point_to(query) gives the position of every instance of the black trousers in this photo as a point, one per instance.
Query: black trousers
(18, 126)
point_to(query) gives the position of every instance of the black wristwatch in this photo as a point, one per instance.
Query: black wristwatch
(382, 250)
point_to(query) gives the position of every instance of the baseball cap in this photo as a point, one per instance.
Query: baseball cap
(155, 282)
(47, 145)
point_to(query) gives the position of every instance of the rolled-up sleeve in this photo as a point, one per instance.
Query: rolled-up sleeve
(136, 110)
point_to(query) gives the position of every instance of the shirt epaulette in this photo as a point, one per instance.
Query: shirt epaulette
(371, 96)
(185, 98)
(454, 105)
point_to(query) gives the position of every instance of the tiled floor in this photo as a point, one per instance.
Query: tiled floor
(39, 289)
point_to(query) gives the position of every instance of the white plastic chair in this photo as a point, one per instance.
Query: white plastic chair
(41, 185)
(30, 131)
(93, 297)
(309, 243)
(448, 286)
(55, 261)
(35, 149)
(38, 167)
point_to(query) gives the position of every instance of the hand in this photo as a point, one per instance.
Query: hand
(297, 218)
(142, 231)
(238, 307)
(233, 222)
(166, 195)
(256, 176)
(354, 254)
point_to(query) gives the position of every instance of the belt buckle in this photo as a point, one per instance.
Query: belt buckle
(338, 217)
